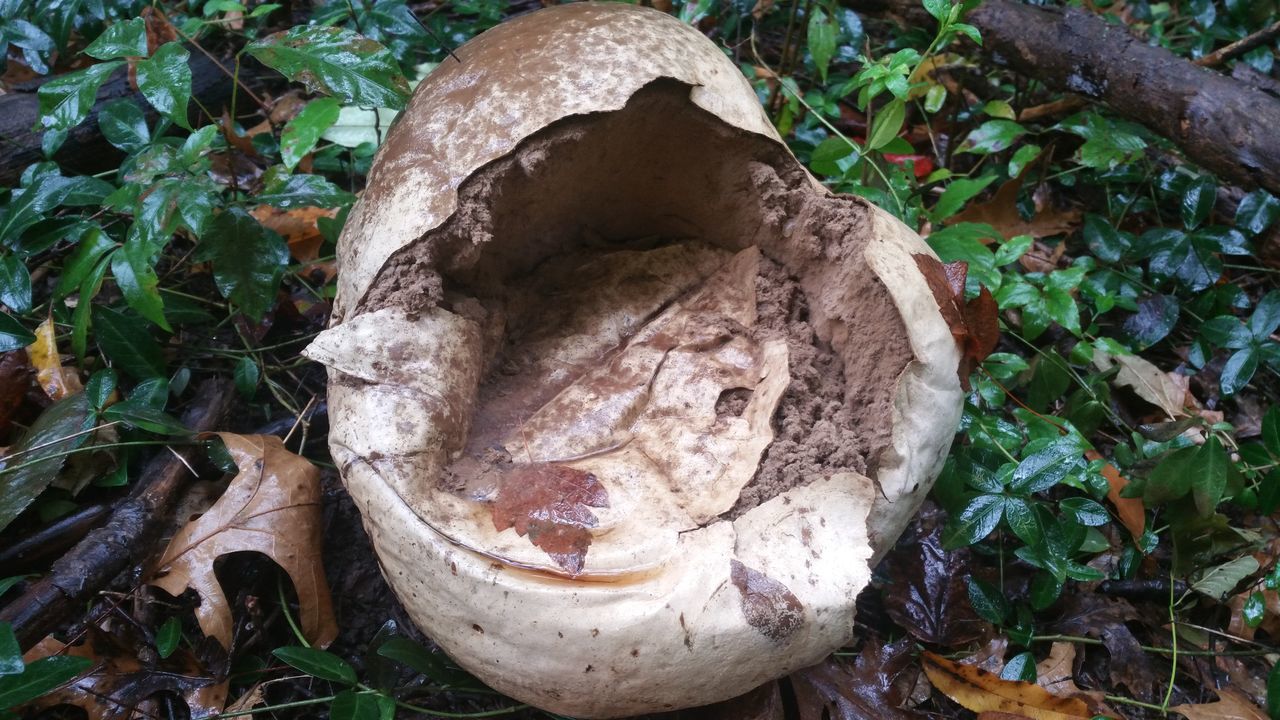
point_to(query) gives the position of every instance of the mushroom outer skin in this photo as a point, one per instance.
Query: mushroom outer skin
(742, 601)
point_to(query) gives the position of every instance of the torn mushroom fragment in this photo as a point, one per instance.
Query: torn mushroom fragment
(628, 401)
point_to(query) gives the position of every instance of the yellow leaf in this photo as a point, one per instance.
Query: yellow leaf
(56, 381)
(982, 691)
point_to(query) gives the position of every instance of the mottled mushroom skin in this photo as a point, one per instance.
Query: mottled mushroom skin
(716, 610)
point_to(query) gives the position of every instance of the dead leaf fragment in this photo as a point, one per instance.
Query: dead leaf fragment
(1231, 705)
(1001, 212)
(1056, 674)
(870, 689)
(548, 503)
(56, 381)
(974, 324)
(768, 605)
(273, 507)
(1148, 381)
(931, 595)
(981, 691)
(298, 228)
(1133, 514)
(15, 378)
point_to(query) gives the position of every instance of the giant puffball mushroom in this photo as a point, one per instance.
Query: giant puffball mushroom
(629, 402)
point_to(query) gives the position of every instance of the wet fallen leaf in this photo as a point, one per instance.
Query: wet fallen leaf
(159, 29)
(869, 690)
(1133, 514)
(1148, 381)
(15, 378)
(272, 507)
(1102, 618)
(929, 591)
(297, 227)
(119, 681)
(549, 503)
(1056, 674)
(1001, 212)
(243, 143)
(1231, 705)
(981, 691)
(974, 324)
(1042, 258)
(763, 703)
(56, 381)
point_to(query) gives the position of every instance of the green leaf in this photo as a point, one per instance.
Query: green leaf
(144, 417)
(304, 191)
(93, 245)
(248, 260)
(165, 81)
(1254, 610)
(1045, 589)
(1266, 316)
(1085, 511)
(1217, 582)
(1271, 431)
(886, 124)
(1171, 479)
(1062, 309)
(36, 44)
(168, 637)
(125, 38)
(976, 521)
(1197, 201)
(27, 206)
(124, 125)
(1257, 211)
(15, 284)
(302, 133)
(988, 601)
(1209, 475)
(821, 41)
(934, 98)
(125, 341)
(137, 280)
(939, 9)
(827, 156)
(1025, 521)
(13, 336)
(10, 653)
(335, 61)
(352, 705)
(81, 317)
(66, 100)
(1106, 242)
(992, 136)
(1273, 692)
(1046, 468)
(317, 663)
(100, 386)
(959, 192)
(31, 470)
(1239, 370)
(40, 677)
(246, 376)
(1020, 668)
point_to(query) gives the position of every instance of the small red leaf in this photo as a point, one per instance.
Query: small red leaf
(548, 503)
(975, 324)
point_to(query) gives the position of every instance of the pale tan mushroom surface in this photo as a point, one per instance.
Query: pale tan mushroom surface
(629, 402)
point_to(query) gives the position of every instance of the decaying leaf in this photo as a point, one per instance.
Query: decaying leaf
(1056, 674)
(298, 228)
(1104, 618)
(1133, 514)
(1231, 705)
(974, 324)
(549, 503)
(56, 381)
(1148, 381)
(1001, 212)
(272, 507)
(119, 681)
(869, 690)
(927, 584)
(981, 691)
(15, 378)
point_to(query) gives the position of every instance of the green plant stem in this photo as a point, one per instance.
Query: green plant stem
(1173, 634)
(282, 706)
(90, 448)
(1153, 649)
(288, 616)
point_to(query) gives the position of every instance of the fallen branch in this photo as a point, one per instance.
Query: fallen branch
(1225, 126)
(122, 542)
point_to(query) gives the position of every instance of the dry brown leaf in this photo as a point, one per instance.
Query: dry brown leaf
(1056, 674)
(297, 227)
(1149, 382)
(271, 507)
(248, 701)
(1231, 705)
(1131, 510)
(981, 691)
(118, 681)
(1041, 258)
(56, 381)
(974, 324)
(15, 378)
(1001, 213)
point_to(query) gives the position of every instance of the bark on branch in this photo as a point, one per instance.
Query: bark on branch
(1226, 126)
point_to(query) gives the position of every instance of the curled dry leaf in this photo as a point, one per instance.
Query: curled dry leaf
(1231, 705)
(56, 381)
(1148, 381)
(1132, 513)
(981, 691)
(974, 324)
(119, 681)
(272, 507)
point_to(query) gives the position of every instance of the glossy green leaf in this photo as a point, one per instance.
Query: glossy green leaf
(304, 191)
(40, 677)
(15, 284)
(1257, 211)
(1085, 511)
(957, 193)
(165, 81)
(1197, 201)
(1020, 668)
(992, 136)
(352, 705)
(1239, 370)
(66, 100)
(100, 387)
(168, 637)
(13, 335)
(125, 341)
(988, 601)
(335, 61)
(248, 260)
(246, 376)
(976, 521)
(124, 125)
(137, 280)
(317, 663)
(10, 653)
(886, 124)
(821, 41)
(81, 317)
(37, 458)
(144, 417)
(28, 205)
(1046, 468)
(302, 133)
(125, 38)
(1266, 316)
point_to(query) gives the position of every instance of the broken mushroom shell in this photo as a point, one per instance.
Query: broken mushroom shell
(628, 401)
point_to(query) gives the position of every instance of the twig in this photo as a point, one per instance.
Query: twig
(1241, 46)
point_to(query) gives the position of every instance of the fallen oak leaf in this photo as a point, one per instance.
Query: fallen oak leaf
(273, 507)
(1231, 705)
(981, 691)
(974, 324)
(1001, 212)
(1133, 514)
